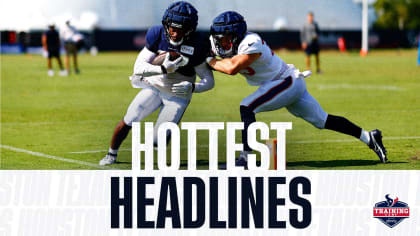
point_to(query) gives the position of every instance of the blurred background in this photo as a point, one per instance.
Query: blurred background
(120, 25)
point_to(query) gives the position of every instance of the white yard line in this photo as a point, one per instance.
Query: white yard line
(292, 142)
(57, 122)
(39, 154)
(127, 149)
(96, 151)
(350, 140)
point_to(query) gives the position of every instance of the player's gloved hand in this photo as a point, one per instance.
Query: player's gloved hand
(135, 77)
(213, 51)
(169, 66)
(303, 74)
(307, 73)
(137, 81)
(183, 88)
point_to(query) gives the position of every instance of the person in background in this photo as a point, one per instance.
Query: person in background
(309, 35)
(51, 46)
(72, 38)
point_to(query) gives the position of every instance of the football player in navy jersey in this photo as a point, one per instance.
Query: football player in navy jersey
(168, 84)
(279, 84)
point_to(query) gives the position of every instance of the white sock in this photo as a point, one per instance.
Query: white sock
(244, 154)
(364, 137)
(113, 151)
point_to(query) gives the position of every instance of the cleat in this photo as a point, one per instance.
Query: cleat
(50, 73)
(108, 159)
(63, 73)
(377, 146)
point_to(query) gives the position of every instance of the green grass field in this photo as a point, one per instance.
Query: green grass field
(67, 122)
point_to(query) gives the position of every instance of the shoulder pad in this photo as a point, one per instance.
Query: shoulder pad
(252, 43)
(153, 38)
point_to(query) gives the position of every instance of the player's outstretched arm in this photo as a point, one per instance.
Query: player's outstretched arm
(232, 66)
(206, 75)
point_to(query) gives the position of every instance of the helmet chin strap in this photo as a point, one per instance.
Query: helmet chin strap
(227, 53)
(173, 43)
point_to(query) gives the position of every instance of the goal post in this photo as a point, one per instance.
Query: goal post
(365, 29)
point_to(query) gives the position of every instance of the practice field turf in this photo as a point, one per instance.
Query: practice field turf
(67, 122)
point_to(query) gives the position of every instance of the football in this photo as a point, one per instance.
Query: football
(174, 55)
(158, 60)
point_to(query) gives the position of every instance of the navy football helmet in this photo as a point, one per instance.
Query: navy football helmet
(181, 15)
(228, 23)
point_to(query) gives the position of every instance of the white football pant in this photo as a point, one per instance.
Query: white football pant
(290, 93)
(149, 100)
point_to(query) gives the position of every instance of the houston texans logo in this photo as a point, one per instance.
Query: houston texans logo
(391, 202)
(391, 212)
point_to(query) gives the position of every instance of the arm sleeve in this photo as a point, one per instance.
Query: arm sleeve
(142, 67)
(206, 76)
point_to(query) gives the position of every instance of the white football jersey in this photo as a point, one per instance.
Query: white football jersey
(267, 67)
(67, 33)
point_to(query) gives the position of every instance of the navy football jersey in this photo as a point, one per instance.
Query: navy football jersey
(196, 48)
(52, 39)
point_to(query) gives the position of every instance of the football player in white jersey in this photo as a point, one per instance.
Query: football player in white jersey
(170, 83)
(280, 85)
